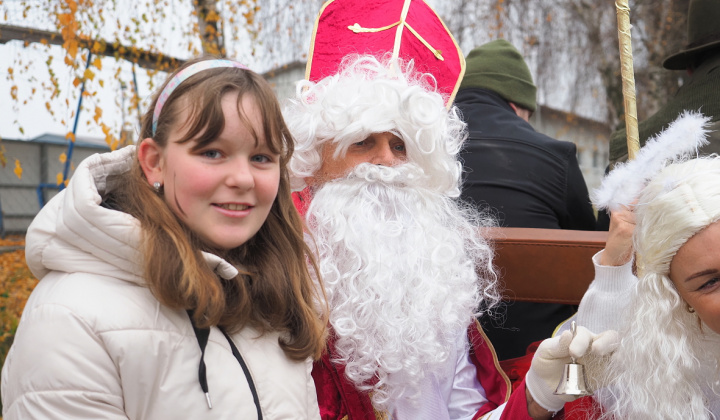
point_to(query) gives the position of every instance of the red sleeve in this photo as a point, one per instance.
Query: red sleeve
(301, 200)
(581, 409)
(337, 396)
(516, 408)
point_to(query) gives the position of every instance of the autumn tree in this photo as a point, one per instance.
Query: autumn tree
(147, 33)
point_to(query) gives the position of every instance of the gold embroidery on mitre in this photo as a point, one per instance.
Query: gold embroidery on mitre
(357, 28)
(437, 53)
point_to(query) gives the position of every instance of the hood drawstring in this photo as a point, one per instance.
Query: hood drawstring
(202, 335)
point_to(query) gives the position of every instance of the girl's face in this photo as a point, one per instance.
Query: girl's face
(223, 191)
(695, 271)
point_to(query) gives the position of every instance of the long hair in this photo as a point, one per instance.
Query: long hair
(374, 96)
(274, 290)
(667, 363)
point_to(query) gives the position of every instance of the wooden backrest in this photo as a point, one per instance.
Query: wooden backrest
(545, 265)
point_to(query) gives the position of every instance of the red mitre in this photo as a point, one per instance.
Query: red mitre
(409, 29)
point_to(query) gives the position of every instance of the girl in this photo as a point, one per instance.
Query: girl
(174, 269)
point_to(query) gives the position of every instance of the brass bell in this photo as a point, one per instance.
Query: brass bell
(573, 379)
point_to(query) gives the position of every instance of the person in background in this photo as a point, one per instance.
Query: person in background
(700, 58)
(526, 178)
(174, 277)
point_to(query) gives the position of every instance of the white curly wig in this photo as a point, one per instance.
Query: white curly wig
(370, 95)
(667, 364)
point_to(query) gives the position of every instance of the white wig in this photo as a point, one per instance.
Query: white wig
(667, 364)
(371, 96)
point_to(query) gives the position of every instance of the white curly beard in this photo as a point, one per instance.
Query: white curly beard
(399, 265)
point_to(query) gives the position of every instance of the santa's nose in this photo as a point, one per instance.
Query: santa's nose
(384, 156)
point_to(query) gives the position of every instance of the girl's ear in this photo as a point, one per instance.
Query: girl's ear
(150, 157)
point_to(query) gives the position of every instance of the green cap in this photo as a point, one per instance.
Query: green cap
(498, 66)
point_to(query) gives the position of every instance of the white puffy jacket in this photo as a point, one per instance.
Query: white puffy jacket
(93, 343)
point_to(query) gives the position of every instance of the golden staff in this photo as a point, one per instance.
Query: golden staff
(628, 78)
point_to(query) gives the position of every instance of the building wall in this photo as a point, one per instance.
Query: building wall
(590, 137)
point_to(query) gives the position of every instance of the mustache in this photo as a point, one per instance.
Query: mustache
(403, 175)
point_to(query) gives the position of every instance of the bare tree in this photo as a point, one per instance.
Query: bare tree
(572, 47)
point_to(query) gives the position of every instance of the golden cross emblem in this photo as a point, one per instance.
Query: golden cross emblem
(401, 25)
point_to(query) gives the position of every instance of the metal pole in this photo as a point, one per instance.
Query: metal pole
(71, 142)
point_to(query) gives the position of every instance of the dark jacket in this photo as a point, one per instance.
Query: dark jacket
(527, 179)
(532, 180)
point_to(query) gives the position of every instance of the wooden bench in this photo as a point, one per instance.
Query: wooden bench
(545, 265)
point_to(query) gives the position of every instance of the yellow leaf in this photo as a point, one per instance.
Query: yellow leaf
(212, 16)
(70, 136)
(98, 114)
(102, 83)
(64, 19)
(76, 81)
(18, 169)
(71, 46)
(59, 178)
(97, 62)
(63, 157)
(89, 74)
(13, 92)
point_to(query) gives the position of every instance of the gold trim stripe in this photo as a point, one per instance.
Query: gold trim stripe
(357, 28)
(308, 66)
(495, 360)
(437, 53)
(398, 33)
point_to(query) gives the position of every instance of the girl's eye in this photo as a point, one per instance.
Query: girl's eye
(261, 159)
(709, 284)
(212, 154)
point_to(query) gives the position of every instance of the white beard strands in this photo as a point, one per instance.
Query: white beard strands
(399, 264)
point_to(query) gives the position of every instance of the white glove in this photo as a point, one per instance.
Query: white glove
(551, 356)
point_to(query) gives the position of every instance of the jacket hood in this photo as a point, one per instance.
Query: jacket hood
(74, 232)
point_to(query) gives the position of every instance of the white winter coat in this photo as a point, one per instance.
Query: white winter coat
(93, 343)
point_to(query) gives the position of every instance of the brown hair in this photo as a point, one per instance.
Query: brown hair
(274, 291)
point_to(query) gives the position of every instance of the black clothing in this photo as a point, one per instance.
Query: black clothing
(528, 180)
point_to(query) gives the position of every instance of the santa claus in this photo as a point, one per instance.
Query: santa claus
(405, 269)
